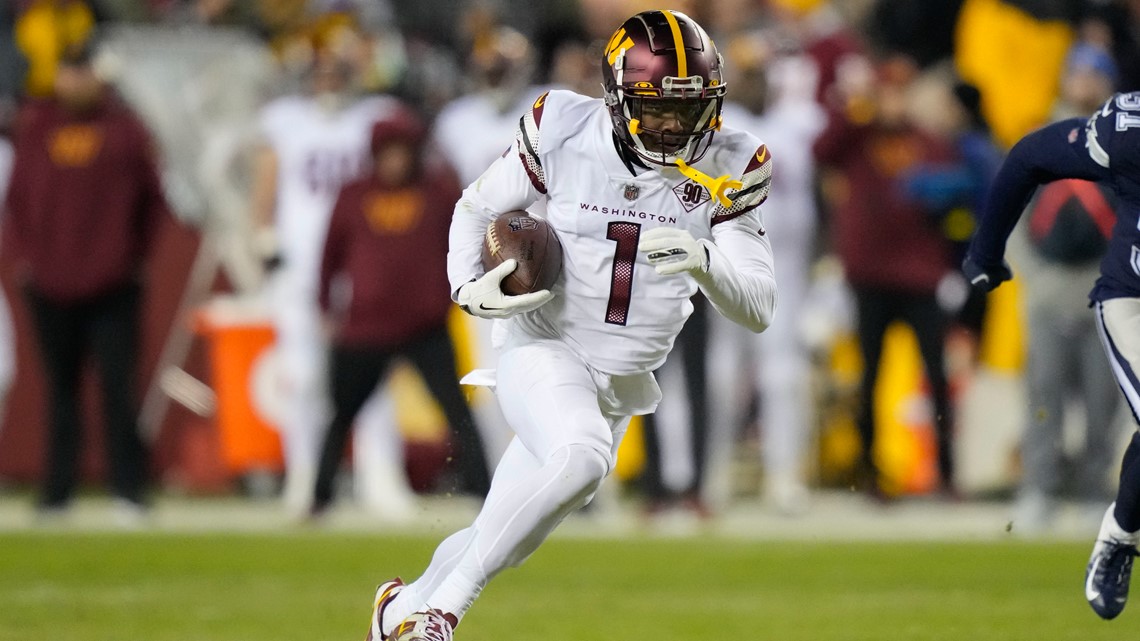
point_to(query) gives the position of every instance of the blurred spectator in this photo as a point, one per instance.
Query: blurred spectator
(1058, 252)
(313, 144)
(13, 65)
(1090, 78)
(475, 129)
(214, 13)
(83, 208)
(571, 63)
(45, 30)
(396, 217)
(1122, 21)
(920, 29)
(472, 132)
(771, 102)
(952, 112)
(824, 36)
(893, 253)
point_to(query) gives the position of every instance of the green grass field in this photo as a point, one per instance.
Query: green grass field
(317, 586)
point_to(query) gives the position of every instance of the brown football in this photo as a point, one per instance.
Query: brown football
(530, 241)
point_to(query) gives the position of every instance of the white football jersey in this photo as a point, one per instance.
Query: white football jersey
(318, 150)
(610, 306)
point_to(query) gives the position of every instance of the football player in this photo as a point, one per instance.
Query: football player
(313, 144)
(777, 103)
(1105, 148)
(652, 200)
(472, 131)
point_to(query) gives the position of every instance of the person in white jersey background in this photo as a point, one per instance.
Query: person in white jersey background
(652, 199)
(774, 99)
(313, 143)
(472, 131)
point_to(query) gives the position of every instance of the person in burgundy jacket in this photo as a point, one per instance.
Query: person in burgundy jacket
(384, 286)
(893, 253)
(81, 214)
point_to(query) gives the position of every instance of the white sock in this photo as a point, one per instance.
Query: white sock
(413, 597)
(1111, 530)
(516, 521)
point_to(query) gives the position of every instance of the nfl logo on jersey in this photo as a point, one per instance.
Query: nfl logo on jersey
(632, 192)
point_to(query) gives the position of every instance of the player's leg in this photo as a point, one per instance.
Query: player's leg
(551, 400)
(353, 374)
(1102, 407)
(60, 330)
(304, 403)
(516, 464)
(926, 317)
(730, 357)
(1110, 566)
(434, 357)
(875, 310)
(380, 481)
(783, 371)
(1046, 377)
(114, 340)
(694, 361)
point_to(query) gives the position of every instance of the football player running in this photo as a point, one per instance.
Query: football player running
(1104, 148)
(652, 199)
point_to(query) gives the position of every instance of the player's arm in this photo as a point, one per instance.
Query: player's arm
(1060, 150)
(735, 270)
(263, 203)
(335, 252)
(514, 181)
(740, 280)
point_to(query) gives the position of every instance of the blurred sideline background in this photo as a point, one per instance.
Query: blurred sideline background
(198, 71)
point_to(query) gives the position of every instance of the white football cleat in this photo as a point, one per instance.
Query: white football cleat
(430, 625)
(385, 594)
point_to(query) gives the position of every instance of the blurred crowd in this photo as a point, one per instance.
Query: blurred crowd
(316, 146)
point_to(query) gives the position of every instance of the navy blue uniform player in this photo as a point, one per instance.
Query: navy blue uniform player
(1105, 148)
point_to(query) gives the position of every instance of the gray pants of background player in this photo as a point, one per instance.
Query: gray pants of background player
(1066, 360)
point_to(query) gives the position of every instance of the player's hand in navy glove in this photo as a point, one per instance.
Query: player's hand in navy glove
(985, 277)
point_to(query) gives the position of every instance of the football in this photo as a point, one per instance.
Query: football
(532, 243)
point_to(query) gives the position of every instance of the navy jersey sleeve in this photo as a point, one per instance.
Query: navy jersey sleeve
(1073, 148)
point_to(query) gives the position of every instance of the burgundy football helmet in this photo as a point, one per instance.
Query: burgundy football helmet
(662, 78)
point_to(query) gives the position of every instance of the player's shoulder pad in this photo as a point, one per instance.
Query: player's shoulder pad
(1113, 132)
(755, 175)
(555, 116)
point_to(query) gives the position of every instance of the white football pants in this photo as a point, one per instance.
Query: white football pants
(568, 420)
(1118, 320)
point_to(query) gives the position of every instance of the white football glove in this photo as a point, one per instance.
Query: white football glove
(673, 251)
(484, 296)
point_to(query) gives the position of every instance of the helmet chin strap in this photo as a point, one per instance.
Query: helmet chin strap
(716, 186)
